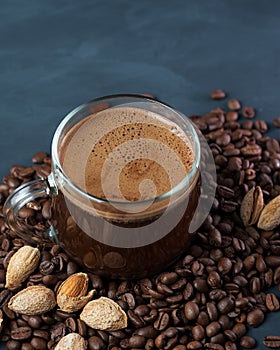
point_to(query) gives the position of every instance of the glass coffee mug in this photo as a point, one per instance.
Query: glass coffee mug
(105, 214)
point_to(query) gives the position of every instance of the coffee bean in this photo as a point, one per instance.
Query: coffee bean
(229, 345)
(96, 343)
(21, 333)
(38, 343)
(35, 321)
(224, 265)
(26, 346)
(194, 345)
(39, 157)
(272, 341)
(162, 321)
(218, 94)
(255, 318)
(276, 122)
(272, 302)
(248, 112)
(13, 345)
(198, 332)
(231, 116)
(247, 342)
(233, 104)
(225, 305)
(147, 332)
(239, 329)
(191, 310)
(168, 277)
(213, 328)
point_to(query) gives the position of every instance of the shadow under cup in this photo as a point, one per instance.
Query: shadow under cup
(123, 239)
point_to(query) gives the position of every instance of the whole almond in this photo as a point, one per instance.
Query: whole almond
(21, 265)
(251, 206)
(33, 300)
(104, 314)
(71, 295)
(71, 341)
(270, 216)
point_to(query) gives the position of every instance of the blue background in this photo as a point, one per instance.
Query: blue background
(55, 55)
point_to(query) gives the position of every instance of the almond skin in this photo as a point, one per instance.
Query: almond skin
(33, 300)
(104, 314)
(71, 295)
(270, 216)
(21, 265)
(71, 341)
(251, 206)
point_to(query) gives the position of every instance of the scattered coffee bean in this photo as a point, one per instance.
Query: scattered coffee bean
(272, 302)
(233, 104)
(272, 341)
(218, 94)
(248, 112)
(276, 122)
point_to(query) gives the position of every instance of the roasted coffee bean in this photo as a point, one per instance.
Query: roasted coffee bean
(136, 321)
(13, 345)
(272, 341)
(239, 329)
(233, 104)
(198, 332)
(230, 335)
(214, 279)
(39, 157)
(213, 328)
(191, 310)
(147, 332)
(255, 318)
(168, 277)
(38, 343)
(276, 122)
(26, 346)
(194, 345)
(41, 334)
(21, 333)
(247, 342)
(96, 343)
(35, 321)
(46, 267)
(162, 321)
(248, 112)
(272, 302)
(218, 94)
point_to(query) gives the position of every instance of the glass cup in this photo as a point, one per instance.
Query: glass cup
(114, 238)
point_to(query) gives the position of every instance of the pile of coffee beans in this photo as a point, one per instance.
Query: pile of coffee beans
(209, 297)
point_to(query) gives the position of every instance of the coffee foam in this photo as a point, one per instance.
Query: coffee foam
(126, 153)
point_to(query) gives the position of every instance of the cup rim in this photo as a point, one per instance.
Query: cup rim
(65, 178)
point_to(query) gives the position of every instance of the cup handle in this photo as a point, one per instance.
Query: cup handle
(21, 196)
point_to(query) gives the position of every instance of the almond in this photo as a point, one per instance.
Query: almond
(33, 300)
(21, 265)
(71, 295)
(251, 206)
(71, 341)
(270, 216)
(104, 314)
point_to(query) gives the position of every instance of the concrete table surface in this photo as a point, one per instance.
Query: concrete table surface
(55, 55)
